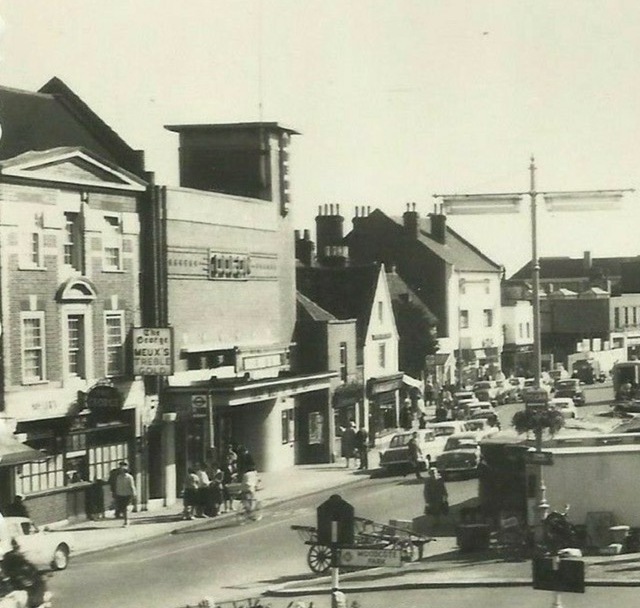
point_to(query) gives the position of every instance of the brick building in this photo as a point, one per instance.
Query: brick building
(70, 191)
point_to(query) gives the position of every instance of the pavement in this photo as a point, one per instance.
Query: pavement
(442, 565)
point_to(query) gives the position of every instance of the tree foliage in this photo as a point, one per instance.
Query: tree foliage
(417, 336)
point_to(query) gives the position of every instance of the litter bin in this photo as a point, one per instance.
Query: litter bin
(473, 537)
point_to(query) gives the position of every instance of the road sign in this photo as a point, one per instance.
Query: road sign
(544, 458)
(335, 522)
(387, 558)
(535, 397)
(199, 404)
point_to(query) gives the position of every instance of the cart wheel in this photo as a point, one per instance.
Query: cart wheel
(319, 558)
(408, 551)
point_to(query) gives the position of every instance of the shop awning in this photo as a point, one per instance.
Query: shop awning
(410, 381)
(13, 452)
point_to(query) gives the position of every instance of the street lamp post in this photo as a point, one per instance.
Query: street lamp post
(509, 203)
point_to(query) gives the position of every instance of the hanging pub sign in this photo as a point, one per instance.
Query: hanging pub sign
(152, 351)
(103, 398)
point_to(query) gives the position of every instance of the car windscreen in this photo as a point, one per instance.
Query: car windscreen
(475, 425)
(443, 431)
(566, 384)
(399, 441)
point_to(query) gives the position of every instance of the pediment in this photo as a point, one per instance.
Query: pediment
(71, 166)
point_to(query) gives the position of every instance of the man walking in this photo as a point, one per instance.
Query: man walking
(415, 454)
(362, 438)
(125, 492)
(436, 500)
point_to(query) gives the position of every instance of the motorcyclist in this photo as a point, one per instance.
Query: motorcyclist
(23, 575)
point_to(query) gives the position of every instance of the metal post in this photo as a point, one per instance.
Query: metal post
(543, 505)
(535, 262)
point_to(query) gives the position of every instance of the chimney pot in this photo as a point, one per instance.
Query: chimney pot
(338, 209)
(368, 210)
(296, 235)
(326, 209)
(307, 235)
(319, 209)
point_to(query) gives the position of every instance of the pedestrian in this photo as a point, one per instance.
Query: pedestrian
(415, 455)
(227, 478)
(406, 416)
(362, 438)
(125, 492)
(215, 491)
(245, 462)
(348, 442)
(231, 460)
(17, 508)
(436, 498)
(112, 486)
(190, 494)
(202, 490)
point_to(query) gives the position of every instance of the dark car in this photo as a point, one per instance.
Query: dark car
(570, 388)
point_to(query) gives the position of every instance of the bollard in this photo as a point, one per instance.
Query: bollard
(338, 599)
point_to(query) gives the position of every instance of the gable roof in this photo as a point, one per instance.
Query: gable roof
(54, 117)
(315, 312)
(70, 165)
(399, 290)
(566, 267)
(346, 293)
(456, 251)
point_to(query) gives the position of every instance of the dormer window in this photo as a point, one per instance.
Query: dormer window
(112, 243)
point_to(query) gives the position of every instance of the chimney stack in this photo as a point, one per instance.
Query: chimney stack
(439, 227)
(329, 235)
(304, 248)
(410, 221)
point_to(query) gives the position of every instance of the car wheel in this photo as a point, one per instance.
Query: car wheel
(60, 557)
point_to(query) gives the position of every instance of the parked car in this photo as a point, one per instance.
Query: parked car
(481, 428)
(461, 455)
(570, 388)
(565, 405)
(460, 397)
(485, 390)
(396, 457)
(510, 394)
(46, 550)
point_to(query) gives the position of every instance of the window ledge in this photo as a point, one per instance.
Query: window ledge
(34, 382)
(114, 270)
(25, 267)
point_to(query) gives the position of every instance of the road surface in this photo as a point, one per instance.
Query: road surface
(224, 560)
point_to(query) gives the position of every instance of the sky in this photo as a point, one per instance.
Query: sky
(395, 100)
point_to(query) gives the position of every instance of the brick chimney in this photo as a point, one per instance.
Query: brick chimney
(329, 236)
(438, 226)
(304, 248)
(410, 221)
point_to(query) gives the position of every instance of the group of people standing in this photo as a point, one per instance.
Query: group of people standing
(207, 489)
(355, 445)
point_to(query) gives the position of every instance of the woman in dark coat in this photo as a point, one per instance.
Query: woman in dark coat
(348, 442)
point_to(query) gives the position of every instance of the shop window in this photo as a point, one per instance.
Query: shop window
(114, 343)
(33, 347)
(76, 442)
(104, 458)
(288, 426)
(343, 361)
(73, 240)
(112, 243)
(464, 319)
(46, 474)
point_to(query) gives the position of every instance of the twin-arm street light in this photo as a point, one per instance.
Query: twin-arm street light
(509, 202)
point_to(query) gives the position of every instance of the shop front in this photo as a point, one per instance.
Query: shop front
(282, 421)
(517, 359)
(77, 452)
(383, 394)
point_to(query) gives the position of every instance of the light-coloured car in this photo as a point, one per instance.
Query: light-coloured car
(396, 457)
(565, 405)
(46, 550)
(461, 455)
(481, 428)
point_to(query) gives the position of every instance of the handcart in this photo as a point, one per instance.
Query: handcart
(367, 535)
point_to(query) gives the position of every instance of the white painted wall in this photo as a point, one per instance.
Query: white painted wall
(516, 319)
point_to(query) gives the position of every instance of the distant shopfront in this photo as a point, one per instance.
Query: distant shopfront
(383, 394)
